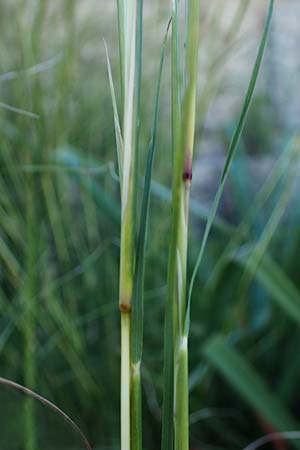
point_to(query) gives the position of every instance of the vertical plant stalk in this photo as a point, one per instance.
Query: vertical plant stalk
(31, 51)
(121, 11)
(169, 335)
(231, 151)
(137, 307)
(138, 292)
(128, 174)
(129, 14)
(181, 405)
(183, 129)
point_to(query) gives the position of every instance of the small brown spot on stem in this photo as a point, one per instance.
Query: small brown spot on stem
(188, 172)
(187, 176)
(125, 308)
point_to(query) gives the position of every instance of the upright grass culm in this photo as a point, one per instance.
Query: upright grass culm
(183, 129)
(132, 270)
(130, 41)
(184, 169)
(139, 275)
(175, 433)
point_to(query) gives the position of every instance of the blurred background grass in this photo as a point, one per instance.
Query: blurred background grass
(59, 230)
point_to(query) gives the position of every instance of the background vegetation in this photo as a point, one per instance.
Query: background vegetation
(59, 231)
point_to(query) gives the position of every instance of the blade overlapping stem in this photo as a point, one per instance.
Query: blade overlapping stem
(175, 430)
(175, 412)
(130, 43)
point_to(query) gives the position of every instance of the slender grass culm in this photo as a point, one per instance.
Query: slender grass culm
(183, 129)
(175, 430)
(132, 267)
(130, 45)
(47, 259)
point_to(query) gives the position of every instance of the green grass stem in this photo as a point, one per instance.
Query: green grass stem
(183, 128)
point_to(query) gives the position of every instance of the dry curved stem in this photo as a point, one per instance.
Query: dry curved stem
(284, 436)
(50, 405)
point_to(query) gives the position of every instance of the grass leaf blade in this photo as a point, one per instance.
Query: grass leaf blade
(272, 278)
(138, 300)
(244, 379)
(118, 133)
(231, 152)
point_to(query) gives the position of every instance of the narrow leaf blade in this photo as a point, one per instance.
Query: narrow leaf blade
(231, 152)
(243, 378)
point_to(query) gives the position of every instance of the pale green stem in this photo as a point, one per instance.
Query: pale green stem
(183, 177)
(181, 410)
(127, 30)
(136, 406)
(125, 381)
(171, 312)
(121, 9)
(128, 175)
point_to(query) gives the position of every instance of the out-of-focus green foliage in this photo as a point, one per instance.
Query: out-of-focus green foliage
(59, 239)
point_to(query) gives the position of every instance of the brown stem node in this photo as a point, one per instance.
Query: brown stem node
(125, 308)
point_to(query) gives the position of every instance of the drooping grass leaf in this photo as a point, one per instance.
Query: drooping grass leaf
(245, 380)
(272, 278)
(106, 203)
(261, 246)
(281, 167)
